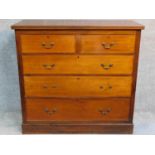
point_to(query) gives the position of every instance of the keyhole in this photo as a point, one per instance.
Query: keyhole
(47, 37)
(101, 87)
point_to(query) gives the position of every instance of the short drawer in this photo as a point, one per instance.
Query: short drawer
(80, 64)
(108, 43)
(47, 43)
(104, 110)
(76, 86)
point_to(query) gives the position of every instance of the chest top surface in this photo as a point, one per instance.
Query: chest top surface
(78, 24)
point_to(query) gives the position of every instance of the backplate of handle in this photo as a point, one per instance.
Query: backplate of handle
(106, 66)
(48, 45)
(105, 87)
(107, 45)
(48, 66)
(104, 112)
(50, 112)
(48, 86)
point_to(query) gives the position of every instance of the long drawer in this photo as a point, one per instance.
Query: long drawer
(77, 64)
(77, 86)
(104, 110)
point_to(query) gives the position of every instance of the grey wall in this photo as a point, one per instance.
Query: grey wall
(145, 95)
(9, 87)
(9, 90)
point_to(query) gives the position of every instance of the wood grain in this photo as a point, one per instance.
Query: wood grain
(52, 43)
(77, 86)
(77, 64)
(77, 24)
(94, 110)
(75, 32)
(86, 128)
(115, 43)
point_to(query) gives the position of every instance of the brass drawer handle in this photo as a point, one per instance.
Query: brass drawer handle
(105, 88)
(50, 112)
(106, 67)
(48, 45)
(107, 45)
(48, 66)
(104, 112)
(47, 86)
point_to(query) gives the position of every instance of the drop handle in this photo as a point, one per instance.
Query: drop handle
(106, 67)
(48, 66)
(50, 112)
(47, 45)
(45, 86)
(104, 88)
(104, 112)
(107, 45)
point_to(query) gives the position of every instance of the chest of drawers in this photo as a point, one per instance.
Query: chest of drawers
(77, 76)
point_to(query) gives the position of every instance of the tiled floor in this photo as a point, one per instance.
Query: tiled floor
(144, 123)
(10, 123)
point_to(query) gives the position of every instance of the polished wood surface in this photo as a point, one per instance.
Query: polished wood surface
(69, 128)
(77, 24)
(100, 110)
(76, 32)
(77, 64)
(107, 43)
(74, 71)
(77, 86)
(47, 43)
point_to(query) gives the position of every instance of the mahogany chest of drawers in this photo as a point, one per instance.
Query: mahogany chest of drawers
(77, 76)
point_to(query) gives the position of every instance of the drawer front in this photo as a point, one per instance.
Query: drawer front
(77, 110)
(75, 86)
(47, 43)
(71, 64)
(107, 43)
